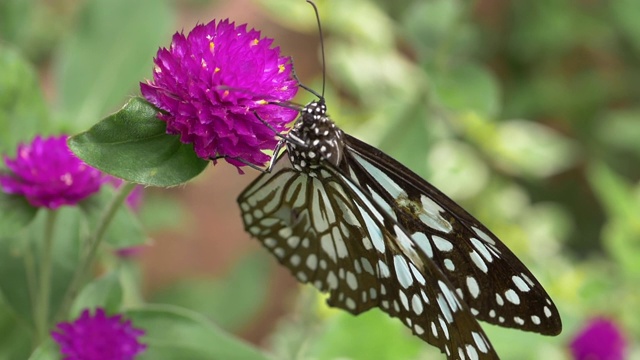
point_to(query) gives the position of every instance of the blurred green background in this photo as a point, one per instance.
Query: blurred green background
(526, 113)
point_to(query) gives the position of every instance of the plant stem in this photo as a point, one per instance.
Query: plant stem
(88, 257)
(44, 293)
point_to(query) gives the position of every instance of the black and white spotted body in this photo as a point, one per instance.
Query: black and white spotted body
(355, 223)
(316, 139)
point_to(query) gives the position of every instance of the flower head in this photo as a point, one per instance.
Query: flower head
(212, 83)
(48, 174)
(98, 337)
(599, 339)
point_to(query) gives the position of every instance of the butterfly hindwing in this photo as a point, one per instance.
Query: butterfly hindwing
(491, 280)
(308, 224)
(328, 232)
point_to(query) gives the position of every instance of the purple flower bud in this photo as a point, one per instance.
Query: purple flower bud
(49, 175)
(211, 84)
(98, 337)
(599, 339)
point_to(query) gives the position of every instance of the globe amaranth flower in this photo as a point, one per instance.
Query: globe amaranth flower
(48, 174)
(98, 337)
(599, 339)
(211, 84)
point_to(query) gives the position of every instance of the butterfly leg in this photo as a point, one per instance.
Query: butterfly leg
(249, 164)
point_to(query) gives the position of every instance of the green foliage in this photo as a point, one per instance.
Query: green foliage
(99, 63)
(22, 106)
(174, 333)
(16, 213)
(230, 301)
(132, 144)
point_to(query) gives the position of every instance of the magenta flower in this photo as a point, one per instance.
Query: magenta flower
(210, 84)
(48, 174)
(599, 339)
(98, 337)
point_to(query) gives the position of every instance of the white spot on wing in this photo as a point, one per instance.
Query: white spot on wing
(312, 261)
(442, 244)
(477, 260)
(512, 296)
(416, 304)
(482, 346)
(327, 245)
(417, 274)
(423, 243)
(402, 271)
(482, 249)
(473, 287)
(449, 265)
(444, 308)
(520, 284)
(383, 269)
(351, 280)
(366, 265)
(471, 351)
(483, 235)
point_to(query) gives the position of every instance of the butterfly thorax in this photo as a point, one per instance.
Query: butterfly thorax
(314, 139)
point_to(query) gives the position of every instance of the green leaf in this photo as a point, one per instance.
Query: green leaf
(622, 232)
(15, 338)
(19, 261)
(624, 17)
(522, 147)
(107, 54)
(620, 129)
(620, 239)
(438, 31)
(230, 301)
(16, 282)
(378, 337)
(104, 292)
(132, 144)
(16, 213)
(176, 333)
(23, 112)
(456, 169)
(468, 88)
(48, 350)
(615, 194)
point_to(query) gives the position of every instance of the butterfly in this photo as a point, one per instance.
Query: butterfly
(352, 221)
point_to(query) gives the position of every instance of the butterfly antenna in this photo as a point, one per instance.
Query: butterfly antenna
(324, 67)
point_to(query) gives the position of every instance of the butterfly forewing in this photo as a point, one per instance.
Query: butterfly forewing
(345, 244)
(491, 280)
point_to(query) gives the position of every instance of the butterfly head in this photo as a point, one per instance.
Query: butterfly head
(315, 110)
(314, 139)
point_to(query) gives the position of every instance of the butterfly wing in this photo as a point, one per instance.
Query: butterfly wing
(490, 279)
(328, 232)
